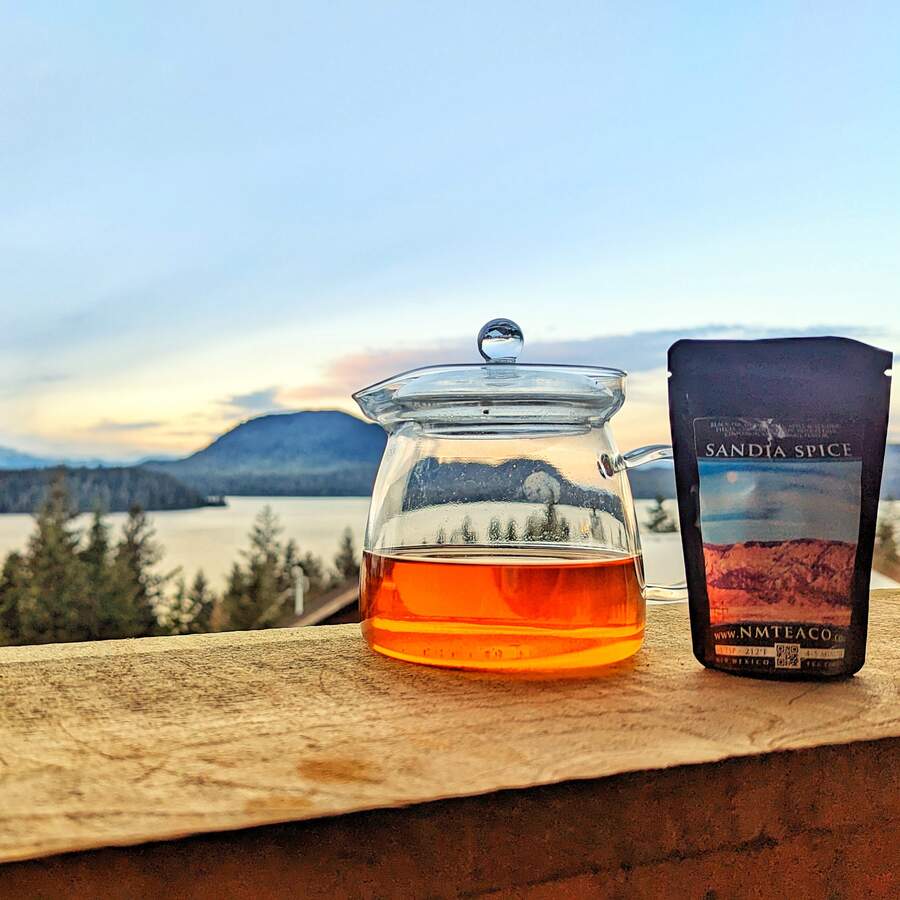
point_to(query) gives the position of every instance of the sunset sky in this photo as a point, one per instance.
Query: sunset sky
(210, 211)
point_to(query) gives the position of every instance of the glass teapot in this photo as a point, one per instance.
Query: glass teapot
(502, 532)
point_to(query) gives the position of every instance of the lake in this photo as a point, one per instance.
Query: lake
(211, 538)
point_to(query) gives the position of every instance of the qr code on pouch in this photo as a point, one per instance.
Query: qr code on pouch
(787, 656)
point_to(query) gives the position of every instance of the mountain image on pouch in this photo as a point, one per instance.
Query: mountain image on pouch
(779, 540)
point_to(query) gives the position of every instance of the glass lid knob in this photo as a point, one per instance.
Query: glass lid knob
(500, 341)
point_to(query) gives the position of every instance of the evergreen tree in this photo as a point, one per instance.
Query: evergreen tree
(346, 563)
(55, 603)
(290, 564)
(12, 586)
(256, 596)
(512, 531)
(315, 572)
(137, 587)
(886, 550)
(598, 530)
(659, 520)
(495, 531)
(95, 554)
(469, 534)
(203, 602)
(190, 610)
(547, 526)
(112, 612)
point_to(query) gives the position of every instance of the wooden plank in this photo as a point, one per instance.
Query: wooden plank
(799, 824)
(121, 742)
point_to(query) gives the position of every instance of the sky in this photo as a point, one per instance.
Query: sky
(756, 501)
(209, 211)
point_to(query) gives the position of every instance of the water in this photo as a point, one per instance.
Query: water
(212, 538)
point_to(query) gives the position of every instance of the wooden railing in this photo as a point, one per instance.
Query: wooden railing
(158, 767)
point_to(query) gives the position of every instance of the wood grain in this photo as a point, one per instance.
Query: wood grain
(121, 742)
(798, 824)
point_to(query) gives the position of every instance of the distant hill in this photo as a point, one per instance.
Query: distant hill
(325, 453)
(115, 489)
(312, 453)
(331, 453)
(316, 453)
(433, 482)
(16, 459)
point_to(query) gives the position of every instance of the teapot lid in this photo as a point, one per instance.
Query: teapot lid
(499, 390)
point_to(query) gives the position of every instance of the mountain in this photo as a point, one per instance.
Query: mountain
(433, 482)
(325, 453)
(115, 489)
(312, 453)
(16, 459)
(802, 580)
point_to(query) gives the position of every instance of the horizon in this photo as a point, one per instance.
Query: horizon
(642, 420)
(252, 213)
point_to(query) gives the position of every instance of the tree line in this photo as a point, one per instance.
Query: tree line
(115, 488)
(72, 586)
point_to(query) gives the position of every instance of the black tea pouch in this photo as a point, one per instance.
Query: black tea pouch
(779, 447)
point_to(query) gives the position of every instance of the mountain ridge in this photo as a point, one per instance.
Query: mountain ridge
(323, 453)
(308, 453)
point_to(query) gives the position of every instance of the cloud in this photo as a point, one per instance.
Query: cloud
(109, 425)
(254, 402)
(23, 383)
(641, 351)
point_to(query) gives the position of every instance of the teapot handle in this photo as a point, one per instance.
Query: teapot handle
(656, 593)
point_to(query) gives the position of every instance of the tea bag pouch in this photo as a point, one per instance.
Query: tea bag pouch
(779, 447)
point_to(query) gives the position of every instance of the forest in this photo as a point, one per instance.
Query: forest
(70, 584)
(114, 488)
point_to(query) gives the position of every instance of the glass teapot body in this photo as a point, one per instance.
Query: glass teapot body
(502, 531)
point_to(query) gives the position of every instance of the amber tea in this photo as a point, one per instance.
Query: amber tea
(491, 607)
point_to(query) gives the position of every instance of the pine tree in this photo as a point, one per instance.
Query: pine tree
(598, 530)
(203, 602)
(346, 563)
(659, 520)
(238, 608)
(55, 603)
(547, 527)
(256, 596)
(512, 531)
(112, 614)
(190, 611)
(495, 531)
(468, 533)
(290, 563)
(12, 587)
(314, 570)
(138, 589)
(886, 550)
